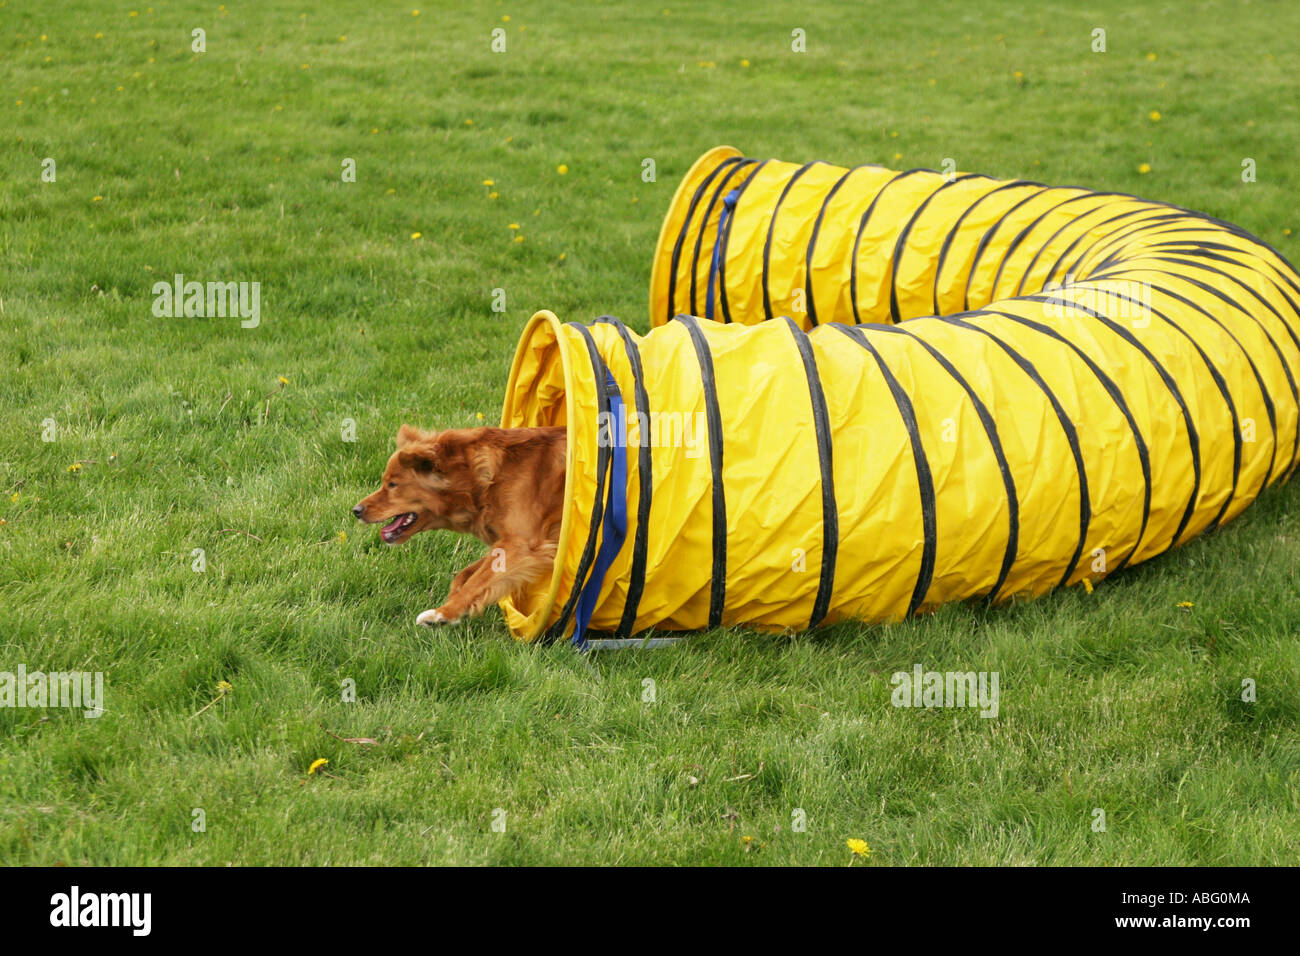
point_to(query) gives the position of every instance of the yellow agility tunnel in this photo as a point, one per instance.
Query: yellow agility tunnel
(811, 469)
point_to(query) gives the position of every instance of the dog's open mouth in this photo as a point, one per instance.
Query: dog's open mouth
(393, 530)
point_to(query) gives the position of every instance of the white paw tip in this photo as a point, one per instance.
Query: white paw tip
(430, 618)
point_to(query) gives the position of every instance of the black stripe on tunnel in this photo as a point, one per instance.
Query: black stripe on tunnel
(645, 482)
(1076, 223)
(1286, 366)
(857, 237)
(598, 371)
(1024, 234)
(718, 586)
(723, 188)
(900, 246)
(995, 442)
(1220, 383)
(725, 239)
(671, 306)
(1193, 436)
(988, 237)
(924, 478)
(1265, 396)
(956, 226)
(1116, 396)
(771, 227)
(830, 508)
(810, 302)
(1067, 427)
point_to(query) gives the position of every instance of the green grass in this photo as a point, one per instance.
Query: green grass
(226, 165)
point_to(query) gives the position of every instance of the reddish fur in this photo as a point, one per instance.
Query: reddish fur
(505, 486)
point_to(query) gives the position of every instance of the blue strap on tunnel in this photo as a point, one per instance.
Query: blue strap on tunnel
(728, 205)
(614, 525)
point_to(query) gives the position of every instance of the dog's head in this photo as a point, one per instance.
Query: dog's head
(433, 480)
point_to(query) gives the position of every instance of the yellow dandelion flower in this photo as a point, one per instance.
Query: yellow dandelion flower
(563, 256)
(859, 847)
(1144, 168)
(74, 467)
(898, 156)
(493, 195)
(99, 36)
(14, 497)
(224, 686)
(304, 66)
(1018, 75)
(415, 13)
(121, 88)
(316, 765)
(415, 235)
(1151, 57)
(276, 109)
(506, 18)
(478, 415)
(44, 37)
(282, 380)
(1154, 116)
(390, 192)
(513, 225)
(96, 198)
(1186, 605)
(519, 238)
(489, 182)
(1286, 232)
(134, 13)
(744, 63)
(343, 536)
(469, 122)
(562, 169)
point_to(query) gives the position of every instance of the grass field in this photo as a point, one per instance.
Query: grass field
(376, 307)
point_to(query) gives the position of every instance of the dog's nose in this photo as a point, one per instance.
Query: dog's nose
(358, 509)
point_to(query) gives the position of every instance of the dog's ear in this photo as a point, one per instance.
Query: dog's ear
(407, 434)
(420, 456)
(484, 462)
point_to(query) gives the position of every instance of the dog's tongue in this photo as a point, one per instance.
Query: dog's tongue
(389, 528)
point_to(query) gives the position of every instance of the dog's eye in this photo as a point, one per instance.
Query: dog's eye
(392, 484)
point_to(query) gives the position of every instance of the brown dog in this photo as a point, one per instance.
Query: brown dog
(503, 485)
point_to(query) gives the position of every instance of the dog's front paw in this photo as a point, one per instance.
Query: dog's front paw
(435, 616)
